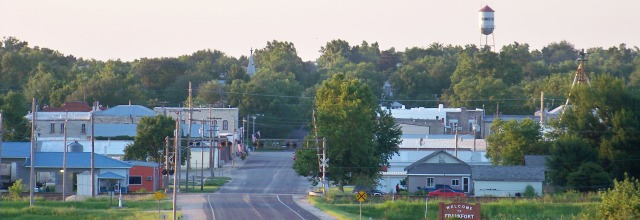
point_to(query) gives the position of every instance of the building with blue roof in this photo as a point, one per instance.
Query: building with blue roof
(16, 164)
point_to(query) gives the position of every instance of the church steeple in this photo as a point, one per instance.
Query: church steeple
(251, 68)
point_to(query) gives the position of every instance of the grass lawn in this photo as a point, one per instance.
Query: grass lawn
(210, 185)
(98, 208)
(344, 206)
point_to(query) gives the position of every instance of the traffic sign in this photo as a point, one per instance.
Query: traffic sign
(325, 162)
(361, 196)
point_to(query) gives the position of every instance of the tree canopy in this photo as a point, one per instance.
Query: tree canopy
(360, 138)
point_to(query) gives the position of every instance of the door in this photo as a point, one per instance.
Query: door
(465, 184)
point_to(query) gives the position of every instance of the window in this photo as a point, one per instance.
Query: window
(430, 182)
(149, 178)
(225, 125)
(135, 180)
(455, 182)
(61, 127)
(52, 128)
(84, 128)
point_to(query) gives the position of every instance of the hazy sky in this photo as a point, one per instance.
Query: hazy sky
(132, 29)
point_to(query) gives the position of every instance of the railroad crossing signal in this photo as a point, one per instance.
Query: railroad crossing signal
(325, 162)
(361, 196)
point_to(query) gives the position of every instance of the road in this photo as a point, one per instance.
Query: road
(262, 187)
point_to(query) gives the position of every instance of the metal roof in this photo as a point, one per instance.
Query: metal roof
(16, 149)
(507, 173)
(110, 175)
(113, 130)
(75, 160)
(142, 163)
(127, 110)
(486, 8)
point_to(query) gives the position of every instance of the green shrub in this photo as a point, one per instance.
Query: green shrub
(142, 190)
(529, 191)
(621, 202)
(15, 190)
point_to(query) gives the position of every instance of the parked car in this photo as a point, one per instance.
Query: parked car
(369, 191)
(439, 186)
(446, 193)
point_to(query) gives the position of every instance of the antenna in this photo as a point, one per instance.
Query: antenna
(580, 77)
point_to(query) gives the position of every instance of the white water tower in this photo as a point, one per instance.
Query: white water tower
(487, 26)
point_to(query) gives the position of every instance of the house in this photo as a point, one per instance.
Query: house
(145, 176)
(49, 165)
(439, 167)
(506, 180)
(16, 164)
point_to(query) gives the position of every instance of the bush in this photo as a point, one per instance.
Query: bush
(142, 190)
(621, 202)
(529, 191)
(15, 190)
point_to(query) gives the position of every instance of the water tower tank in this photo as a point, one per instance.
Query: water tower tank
(75, 147)
(486, 20)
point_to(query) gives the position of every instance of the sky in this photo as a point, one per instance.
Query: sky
(134, 29)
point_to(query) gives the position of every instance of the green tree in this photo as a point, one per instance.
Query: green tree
(275, 95)
(346, 117)
(605, 115)
(566, 155)
(14, 106)
(149, 143)
(589, 177)
(211, 92)
(387, 136)
(511, 140)
(621, 202)
(16, 190)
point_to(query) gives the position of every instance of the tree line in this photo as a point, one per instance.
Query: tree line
(598, 134)
(284, 86)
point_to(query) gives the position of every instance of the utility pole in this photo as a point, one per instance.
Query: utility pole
(64, 160)
(1, 133)
(211, 162)
(176, 158)
(189, 138)
(34, 117)
(541, 108)
(475, 124)
(166, 163)
(93, 160)
(204, 122)
(456, 136)
(324, 166)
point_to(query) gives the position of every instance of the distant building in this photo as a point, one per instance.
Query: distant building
(251, 68)
(145, 175)
(440, 120)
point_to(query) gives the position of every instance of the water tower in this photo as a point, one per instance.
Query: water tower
(487, 26)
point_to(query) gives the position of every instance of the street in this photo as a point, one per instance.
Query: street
(262, 187)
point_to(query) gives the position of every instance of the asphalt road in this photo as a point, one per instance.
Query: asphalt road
(262, 187)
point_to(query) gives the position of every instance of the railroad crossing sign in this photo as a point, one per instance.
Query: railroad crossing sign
(324, 162)
(361, 196)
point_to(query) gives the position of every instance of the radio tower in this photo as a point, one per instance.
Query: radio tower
(581, 77)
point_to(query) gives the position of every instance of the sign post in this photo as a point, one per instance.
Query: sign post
(361, 196)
